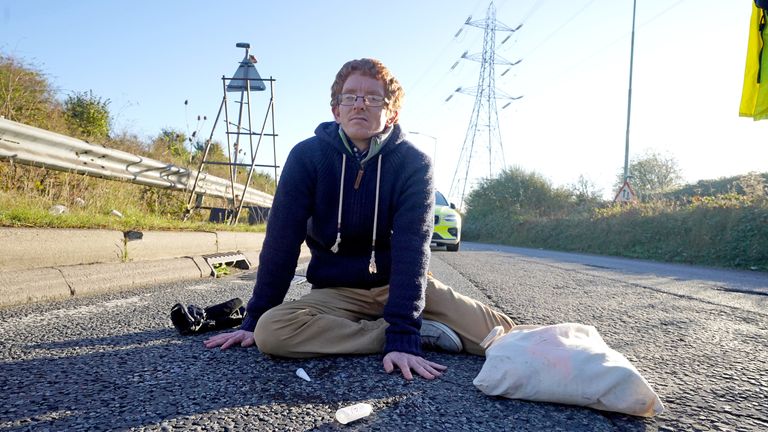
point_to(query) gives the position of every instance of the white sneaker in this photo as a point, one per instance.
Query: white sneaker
(438, 336)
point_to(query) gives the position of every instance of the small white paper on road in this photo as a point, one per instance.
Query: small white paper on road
(302, 374)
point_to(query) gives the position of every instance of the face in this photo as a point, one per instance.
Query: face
(359, 121)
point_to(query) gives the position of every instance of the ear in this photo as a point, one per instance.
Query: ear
(392, 118)
(335, 111)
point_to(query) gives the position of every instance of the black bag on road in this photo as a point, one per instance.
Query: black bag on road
(194, 319)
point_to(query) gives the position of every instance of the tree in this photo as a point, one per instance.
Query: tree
(518, 194)
(585, 192)
(652, 175)
(498, 204)
(169, 146)
(26, 96)
(87, 115)
(753, 186)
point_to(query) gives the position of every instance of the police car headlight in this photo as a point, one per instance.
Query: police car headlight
(450, 218)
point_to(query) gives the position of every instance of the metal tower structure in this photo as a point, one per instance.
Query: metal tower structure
(245, 80)
(483, 126)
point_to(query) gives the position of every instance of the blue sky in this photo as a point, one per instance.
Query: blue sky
(148, 57)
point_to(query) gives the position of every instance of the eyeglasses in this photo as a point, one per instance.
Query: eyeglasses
(369, 100)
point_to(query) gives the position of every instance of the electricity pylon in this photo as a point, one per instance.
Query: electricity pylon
(483, 126)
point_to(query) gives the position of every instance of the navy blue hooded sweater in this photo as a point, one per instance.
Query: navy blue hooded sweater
(306, 207)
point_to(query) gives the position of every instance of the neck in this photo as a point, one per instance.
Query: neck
(362, 145)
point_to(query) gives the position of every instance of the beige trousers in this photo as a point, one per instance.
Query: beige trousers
(349, 321)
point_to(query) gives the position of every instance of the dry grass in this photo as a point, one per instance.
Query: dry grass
(29, 197)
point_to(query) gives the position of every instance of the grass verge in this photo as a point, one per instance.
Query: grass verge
(17, 210)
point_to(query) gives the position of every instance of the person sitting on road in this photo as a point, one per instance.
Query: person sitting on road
(361, 196)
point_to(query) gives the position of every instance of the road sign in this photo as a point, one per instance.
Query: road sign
(625, 193)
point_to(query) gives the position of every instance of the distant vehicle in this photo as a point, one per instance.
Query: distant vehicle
(447, 224)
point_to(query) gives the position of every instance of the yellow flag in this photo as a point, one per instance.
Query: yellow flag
(754, 96)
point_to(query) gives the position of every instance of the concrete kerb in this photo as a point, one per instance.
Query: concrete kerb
(227, 241)
(24, 248)
(32, 286)
(94, 279)
(45, 264)
(166, 244)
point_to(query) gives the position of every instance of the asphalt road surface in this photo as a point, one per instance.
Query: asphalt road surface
(114, 362)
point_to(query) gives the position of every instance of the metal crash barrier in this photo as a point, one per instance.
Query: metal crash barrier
(29, 145)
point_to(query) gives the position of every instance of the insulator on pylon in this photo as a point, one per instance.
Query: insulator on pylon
(505, 72)
(458, 32)
(506, 105)
(448, 98)
(454, 65)
(469, 18)
(506, 38)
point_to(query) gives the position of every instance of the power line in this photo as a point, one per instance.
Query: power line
(536, 5)
(588, 57)
(458, 37)
(562, 26)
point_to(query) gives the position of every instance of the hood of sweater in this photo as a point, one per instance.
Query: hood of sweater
(379, 145)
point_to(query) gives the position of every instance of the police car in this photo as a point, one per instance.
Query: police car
(447, 224)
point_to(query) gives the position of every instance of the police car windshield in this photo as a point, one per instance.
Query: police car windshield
(440, 199)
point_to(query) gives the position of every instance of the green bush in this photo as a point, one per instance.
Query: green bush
(87, 115)
(728, 228)
(716, 235)
(27, 96)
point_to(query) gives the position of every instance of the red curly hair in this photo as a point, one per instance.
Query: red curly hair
(372, 68)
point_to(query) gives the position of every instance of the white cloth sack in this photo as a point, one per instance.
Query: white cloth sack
(564, 363)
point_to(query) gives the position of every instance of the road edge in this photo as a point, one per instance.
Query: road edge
(38, 264)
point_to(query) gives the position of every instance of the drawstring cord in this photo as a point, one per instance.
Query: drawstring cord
(335, 247)
(372, 264)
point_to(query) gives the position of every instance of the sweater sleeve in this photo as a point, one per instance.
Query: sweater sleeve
(413, 224)
(286, 231)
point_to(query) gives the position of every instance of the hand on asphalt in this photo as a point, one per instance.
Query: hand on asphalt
(425, 368)
(242, 337)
